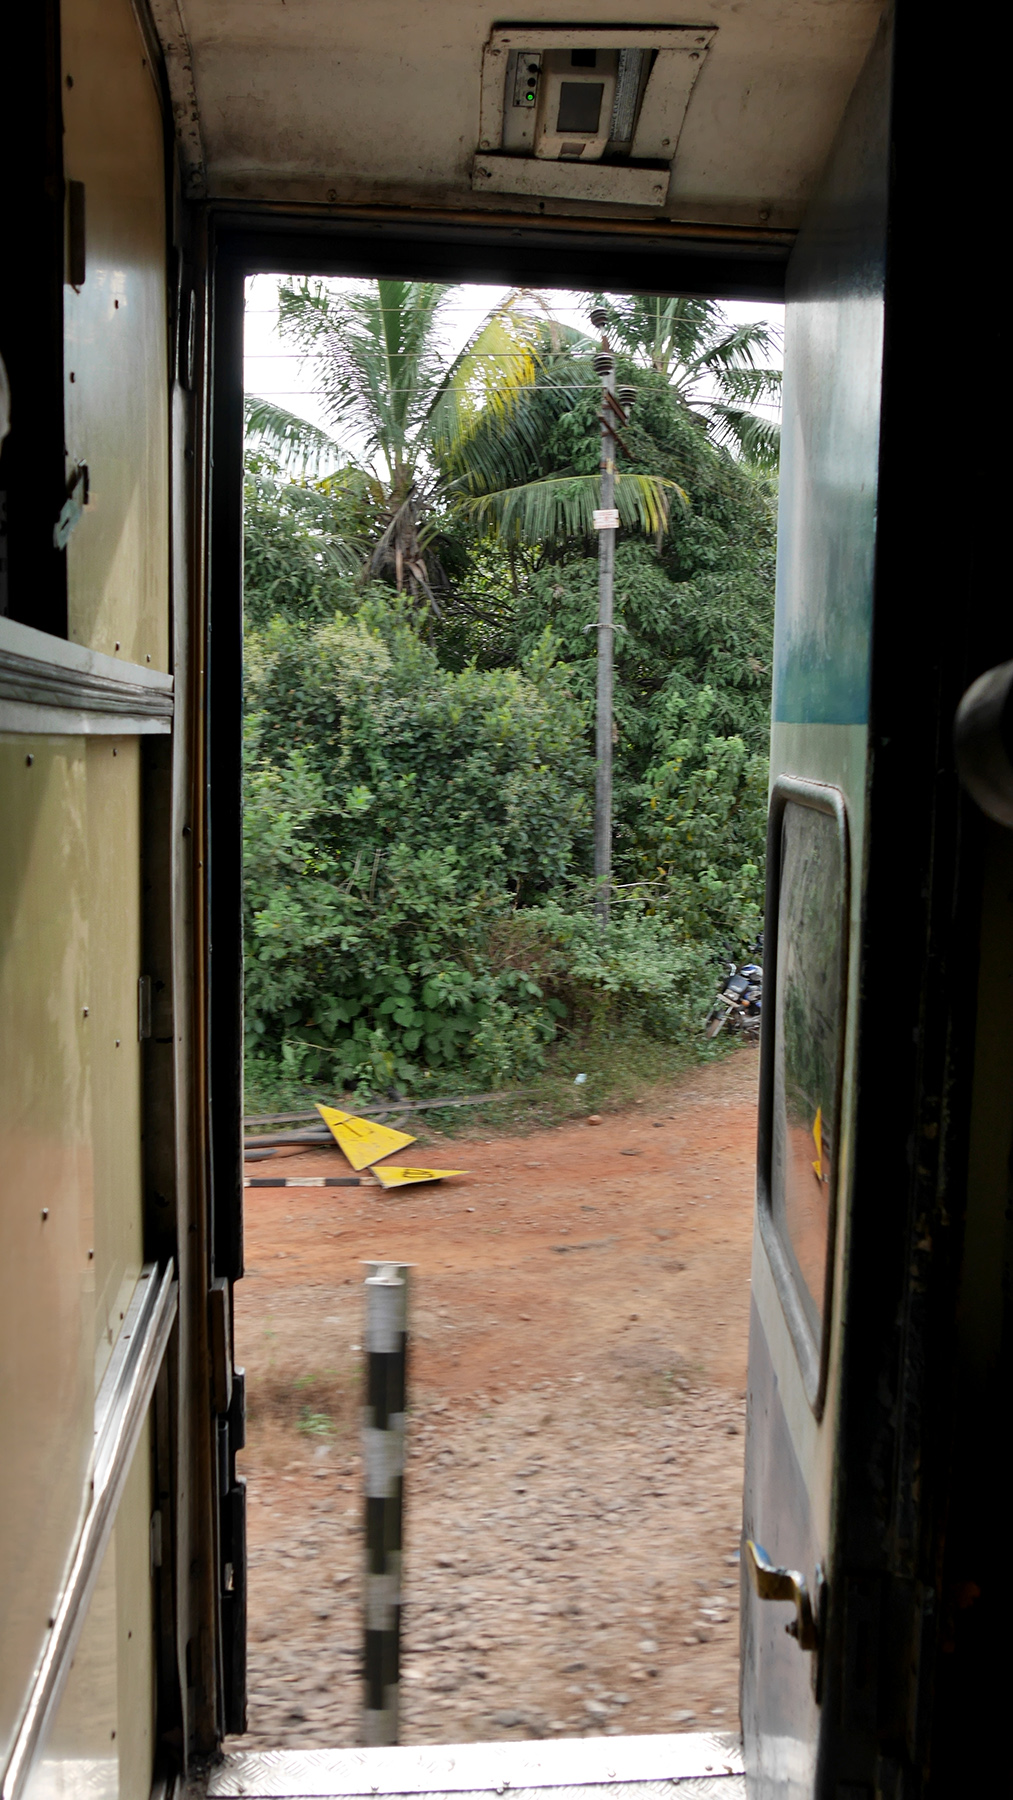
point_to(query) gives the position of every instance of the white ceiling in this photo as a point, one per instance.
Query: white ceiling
(376, 102)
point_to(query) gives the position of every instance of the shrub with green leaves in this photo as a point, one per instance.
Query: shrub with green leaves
(395, 811)
(419, 769)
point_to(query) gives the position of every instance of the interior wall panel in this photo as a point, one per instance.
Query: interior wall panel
(116, 403)
(114, 902)
(99, 1744)
(46, 1271)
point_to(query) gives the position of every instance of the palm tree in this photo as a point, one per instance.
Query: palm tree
(504, 478)
(712, 368)
(437, 436)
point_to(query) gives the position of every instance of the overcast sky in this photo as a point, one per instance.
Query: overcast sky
(276, 371)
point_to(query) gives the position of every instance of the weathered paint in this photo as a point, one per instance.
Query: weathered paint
(100, 1742)
(71, 951)
(46, 1272)
(116, 338)
(833, 372)
(381, 103)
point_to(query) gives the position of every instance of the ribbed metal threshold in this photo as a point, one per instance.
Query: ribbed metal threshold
(683, 1766)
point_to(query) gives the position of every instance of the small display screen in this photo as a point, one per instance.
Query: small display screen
(580, 106)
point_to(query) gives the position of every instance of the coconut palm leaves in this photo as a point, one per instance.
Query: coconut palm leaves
(384, 371)
(296, 445)
(399, 400)
(720, 374)
(446, 437)
(562, 507)
(501, 480)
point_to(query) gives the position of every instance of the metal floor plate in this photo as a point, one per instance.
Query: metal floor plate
(683, 1766)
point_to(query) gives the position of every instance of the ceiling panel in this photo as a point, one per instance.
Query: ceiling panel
(342, 102)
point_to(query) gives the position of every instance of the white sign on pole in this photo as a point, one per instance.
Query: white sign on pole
(606, 518)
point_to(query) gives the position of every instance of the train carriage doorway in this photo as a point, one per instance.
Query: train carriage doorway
(820, 822)
(835, 1593)
(876, 1591)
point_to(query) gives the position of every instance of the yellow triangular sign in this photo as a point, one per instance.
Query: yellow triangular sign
(361, 1140)
(392, 1176)
(818, 1141)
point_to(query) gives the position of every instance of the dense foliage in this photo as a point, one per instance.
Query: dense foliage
(420, 775)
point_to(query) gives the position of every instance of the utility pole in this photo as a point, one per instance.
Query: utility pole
(606, 520)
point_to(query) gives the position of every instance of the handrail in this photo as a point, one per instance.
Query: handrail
(121, 1406)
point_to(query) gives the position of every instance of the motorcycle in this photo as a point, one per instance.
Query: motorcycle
(739, 1003)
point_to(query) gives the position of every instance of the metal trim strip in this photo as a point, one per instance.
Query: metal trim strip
(28, 718)
(483, 1769)
(121, 1407)
(691, 1787)
(59, 653)
(50, 685)
(38, 681)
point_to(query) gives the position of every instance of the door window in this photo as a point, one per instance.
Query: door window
(806, 952)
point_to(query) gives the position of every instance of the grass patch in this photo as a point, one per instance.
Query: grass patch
(318, 1404)
(619, 1059)
(315, 1424)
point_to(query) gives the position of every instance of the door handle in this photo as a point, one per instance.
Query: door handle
(772, 1583)
(983, 739)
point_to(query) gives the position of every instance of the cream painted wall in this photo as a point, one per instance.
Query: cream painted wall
(71, 1200)
(116, 378)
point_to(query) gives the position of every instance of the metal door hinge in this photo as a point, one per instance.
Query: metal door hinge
(221, 1344)
(155, 1541)
(232, 1551)
(143, 1007)
(76, 241)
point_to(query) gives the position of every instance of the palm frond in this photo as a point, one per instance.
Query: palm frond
(558, 508)
(661, 331)
(515, 348)
(298, 447)
(378, 352)
(750, 385)
(718, 371)
(407, 313)
(734, 349)
(755, 438)
(506, 444)
(500, 358)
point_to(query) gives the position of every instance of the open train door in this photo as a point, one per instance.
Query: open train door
(867, 1585)
(802, 1305)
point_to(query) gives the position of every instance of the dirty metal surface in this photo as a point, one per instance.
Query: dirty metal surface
(699, 1765)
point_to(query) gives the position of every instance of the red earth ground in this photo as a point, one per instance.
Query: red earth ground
(579, 1314)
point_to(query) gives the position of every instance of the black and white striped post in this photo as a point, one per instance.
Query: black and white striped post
(383, 1465)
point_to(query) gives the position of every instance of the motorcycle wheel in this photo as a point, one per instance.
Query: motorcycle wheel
(714, 1025)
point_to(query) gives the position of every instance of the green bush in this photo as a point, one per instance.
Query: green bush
(419, 783)
(395, 811)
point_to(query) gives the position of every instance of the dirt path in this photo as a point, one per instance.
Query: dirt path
(579, 1318)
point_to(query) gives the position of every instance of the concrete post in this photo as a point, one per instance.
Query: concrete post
(383, 1468)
